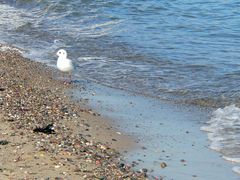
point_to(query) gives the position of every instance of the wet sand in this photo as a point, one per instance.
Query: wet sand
(44, 135)
(172, 145)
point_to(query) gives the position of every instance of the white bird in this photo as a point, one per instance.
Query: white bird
(63, 63)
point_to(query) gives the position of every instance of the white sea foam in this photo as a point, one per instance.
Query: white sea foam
(236, 169)
(5, 48)
(94, 30)
(224, 133)
(91, 58)
(100, 25)
(234, 160)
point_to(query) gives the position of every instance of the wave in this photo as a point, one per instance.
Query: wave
(223, 131)
(234, 160)
(236, 169)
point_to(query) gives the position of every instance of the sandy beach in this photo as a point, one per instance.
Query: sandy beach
(155, 90)
(44, 135)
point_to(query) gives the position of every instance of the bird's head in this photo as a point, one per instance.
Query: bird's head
(62, 53)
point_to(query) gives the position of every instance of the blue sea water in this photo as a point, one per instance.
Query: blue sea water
(182, 51)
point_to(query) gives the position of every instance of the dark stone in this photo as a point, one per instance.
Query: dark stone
(121, 165)
(69, 159)
(102, 178)
(163, 165)
(58, 178)
(3, 142)
(87, 125)
(64, 109)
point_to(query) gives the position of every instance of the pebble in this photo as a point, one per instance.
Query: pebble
(3, 142)
(163, 165)
(121, 165)
(182, 160)
(144, 170)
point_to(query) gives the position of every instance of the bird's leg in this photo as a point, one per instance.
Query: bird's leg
(63, 77)
(70, 78)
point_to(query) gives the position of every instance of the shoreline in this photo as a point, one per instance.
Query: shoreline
(80, 145)
(167, 133)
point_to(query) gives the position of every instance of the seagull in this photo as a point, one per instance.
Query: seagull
(63, 63)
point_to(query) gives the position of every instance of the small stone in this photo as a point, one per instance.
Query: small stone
(89, 160)
(64, 109)
(121, 165)
(144, 170)
(103, 147)
(97, 162)
(163, 165)
(77, 170)
(69, 160)
(182, 160)
(58, 178)
(3, 142)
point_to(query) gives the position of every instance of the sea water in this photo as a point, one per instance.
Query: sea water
(182, 51)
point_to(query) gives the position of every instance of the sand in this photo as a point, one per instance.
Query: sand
(81, 144)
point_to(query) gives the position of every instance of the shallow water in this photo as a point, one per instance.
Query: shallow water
(166, 132)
